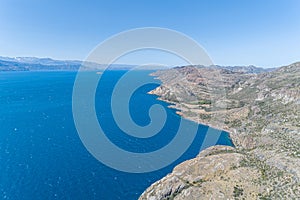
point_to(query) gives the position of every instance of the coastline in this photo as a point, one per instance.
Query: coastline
(173, 105)
(262, 120)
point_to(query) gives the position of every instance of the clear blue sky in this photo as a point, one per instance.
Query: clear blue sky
(233, 32)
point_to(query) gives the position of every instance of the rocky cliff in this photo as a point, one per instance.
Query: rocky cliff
(262, 114)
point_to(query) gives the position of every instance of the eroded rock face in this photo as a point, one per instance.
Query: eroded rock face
(214, 174)
(262, 114)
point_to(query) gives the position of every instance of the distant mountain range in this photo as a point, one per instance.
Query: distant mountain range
(48, 64)
(247, 69)
(250, 69)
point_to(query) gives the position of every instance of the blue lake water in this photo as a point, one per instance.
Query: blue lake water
(41, 155)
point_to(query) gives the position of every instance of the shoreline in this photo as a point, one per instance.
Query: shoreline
(176, 106)
(261, 121)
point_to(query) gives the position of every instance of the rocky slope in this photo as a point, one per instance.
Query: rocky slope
(261, 113)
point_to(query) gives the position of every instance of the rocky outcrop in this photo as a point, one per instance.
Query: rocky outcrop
(261, 113)
(213, 174)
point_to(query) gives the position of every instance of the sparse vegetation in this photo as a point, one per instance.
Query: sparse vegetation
(237, 192)
(262, 113)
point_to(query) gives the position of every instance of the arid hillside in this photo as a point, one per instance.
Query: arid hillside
(260, 110)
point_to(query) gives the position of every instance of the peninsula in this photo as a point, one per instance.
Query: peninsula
(261, 111)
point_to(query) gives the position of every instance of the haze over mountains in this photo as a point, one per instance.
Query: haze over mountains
(48, 64)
